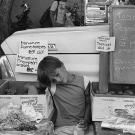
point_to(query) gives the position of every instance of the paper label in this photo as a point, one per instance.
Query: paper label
(105, 44)
(30, 54)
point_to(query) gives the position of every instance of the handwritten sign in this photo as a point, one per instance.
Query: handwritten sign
(122, 60)
(30, 54)
(41, 103)
(105, 44)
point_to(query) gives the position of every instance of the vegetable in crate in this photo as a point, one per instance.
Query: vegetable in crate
(16, 118)
(11, 117)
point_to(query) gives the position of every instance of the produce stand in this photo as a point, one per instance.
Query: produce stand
(17, 107)
(116, 87)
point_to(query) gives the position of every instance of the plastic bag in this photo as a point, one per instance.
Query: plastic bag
(122, 120)
(18, 120)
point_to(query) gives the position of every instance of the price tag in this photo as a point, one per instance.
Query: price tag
(52, 47)
(105, 44)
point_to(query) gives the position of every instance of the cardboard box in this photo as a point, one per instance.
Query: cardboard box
(103, 105)
(42, 103)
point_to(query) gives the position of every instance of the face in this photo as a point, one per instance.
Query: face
(60, 75)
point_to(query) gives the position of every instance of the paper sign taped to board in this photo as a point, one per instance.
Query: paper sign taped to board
(31, 52)
(105, 44)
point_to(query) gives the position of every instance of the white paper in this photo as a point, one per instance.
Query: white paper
(105, 44)
(31, 52)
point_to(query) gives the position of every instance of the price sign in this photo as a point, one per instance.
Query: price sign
(105, 44)
(30, 54)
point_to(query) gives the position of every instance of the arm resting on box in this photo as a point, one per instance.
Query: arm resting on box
(32, 89)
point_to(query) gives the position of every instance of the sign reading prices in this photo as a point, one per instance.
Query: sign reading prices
(30, 54)
(105, 44)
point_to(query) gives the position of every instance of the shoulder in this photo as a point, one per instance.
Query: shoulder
(78, 78)
(83, 79)
(54, 6)
(55, 2)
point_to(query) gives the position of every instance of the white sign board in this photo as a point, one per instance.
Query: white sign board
(30, 54)
(41, 103)
(105, 44)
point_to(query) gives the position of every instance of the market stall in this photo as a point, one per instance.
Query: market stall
(113, 97)
(62, 43)
(111, 73)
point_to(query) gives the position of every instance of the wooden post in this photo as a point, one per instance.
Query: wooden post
(103, 72)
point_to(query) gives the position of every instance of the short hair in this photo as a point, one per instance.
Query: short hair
(46, 67)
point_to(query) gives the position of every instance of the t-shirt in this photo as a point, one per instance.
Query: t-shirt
(61, 12)
(60, 15)
(70, 102)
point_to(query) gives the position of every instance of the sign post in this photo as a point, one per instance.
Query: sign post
(104, 45)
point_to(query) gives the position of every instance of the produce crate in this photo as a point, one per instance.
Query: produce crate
(118, 97)
(16, 92)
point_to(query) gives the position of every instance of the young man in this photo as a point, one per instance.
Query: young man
(71, 97)
(58, 12)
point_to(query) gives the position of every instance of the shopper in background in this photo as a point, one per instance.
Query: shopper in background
(70, 94)
(112, 2)
(58, 12)
(68, 21)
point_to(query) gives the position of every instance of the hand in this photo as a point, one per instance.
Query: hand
(83, 124)
(68, 14)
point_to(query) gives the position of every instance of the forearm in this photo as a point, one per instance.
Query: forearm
(32, 90)
(87, 116)
(52, 17)
(84, 123)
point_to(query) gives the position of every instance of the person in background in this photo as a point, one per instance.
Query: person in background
(112, 2)
(70, 93)
(58, 12)
(68, 22)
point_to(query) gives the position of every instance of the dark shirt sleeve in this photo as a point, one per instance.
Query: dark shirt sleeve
(87, 116)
